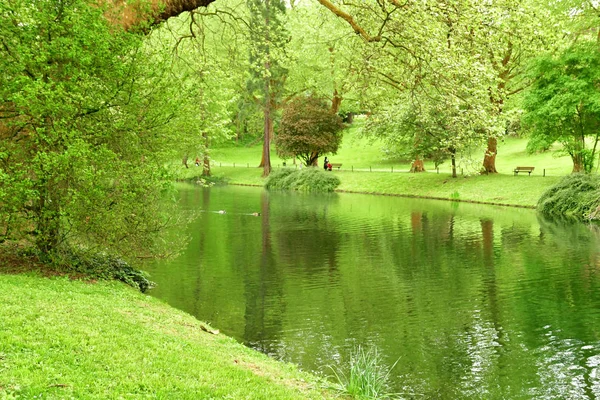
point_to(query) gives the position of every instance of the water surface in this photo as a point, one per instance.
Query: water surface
(474, 301)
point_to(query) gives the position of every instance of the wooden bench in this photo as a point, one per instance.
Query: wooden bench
(336, 165)
(524, 169)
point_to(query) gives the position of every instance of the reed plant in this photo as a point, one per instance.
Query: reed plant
(367, 376)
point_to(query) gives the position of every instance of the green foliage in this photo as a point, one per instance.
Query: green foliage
(367, 376)
(86, 112)
(209, 71)
(269, 36)
(576, 196)
(322, 63)
(304, 179)
(563, 104)
(308, 128)
(433, 127)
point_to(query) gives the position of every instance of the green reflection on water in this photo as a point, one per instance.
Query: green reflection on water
(476, 301)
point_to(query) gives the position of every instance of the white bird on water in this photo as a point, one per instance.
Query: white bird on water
(221, 211)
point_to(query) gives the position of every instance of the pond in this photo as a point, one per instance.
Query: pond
(473, 301)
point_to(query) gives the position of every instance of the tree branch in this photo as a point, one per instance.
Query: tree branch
(350, 20)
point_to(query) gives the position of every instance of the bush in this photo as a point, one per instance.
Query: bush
(576, 196)
(103, 266)
(305, 180)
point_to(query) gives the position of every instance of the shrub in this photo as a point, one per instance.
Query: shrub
(305, 180)
(102, 266)
(575, 196)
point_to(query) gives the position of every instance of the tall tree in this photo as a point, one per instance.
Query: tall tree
(563, 105)
(210, 71)
(513, 32)
(268, 74)
(326, 58)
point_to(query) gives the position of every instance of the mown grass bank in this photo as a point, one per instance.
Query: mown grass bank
(71, 339)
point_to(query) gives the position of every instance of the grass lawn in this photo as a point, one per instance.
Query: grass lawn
(71, 339)
(358, 152)
(366, 169)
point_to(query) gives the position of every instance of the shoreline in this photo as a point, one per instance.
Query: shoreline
(409, 196)
(414, 196)
(505, 190)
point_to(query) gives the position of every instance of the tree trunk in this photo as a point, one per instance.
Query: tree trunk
(314, 159)
(417, 166)
(453, 160)
(47, 231)
(336, 102)
(578, 165)
(577, 154)
(489, 160)
(136, 15)
(185, 161)
(206, 160)
(265, 162)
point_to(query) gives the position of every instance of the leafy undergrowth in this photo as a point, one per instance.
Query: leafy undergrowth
(73, 339)
(576, 196)
(87, 266)
(305, 180)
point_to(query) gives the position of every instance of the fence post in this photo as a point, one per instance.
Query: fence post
(544, 172)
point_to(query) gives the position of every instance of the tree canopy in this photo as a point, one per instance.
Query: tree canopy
(86, 113)
(563, 104)
(308, 129)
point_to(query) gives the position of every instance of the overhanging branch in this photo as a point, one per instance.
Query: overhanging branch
(350, 20)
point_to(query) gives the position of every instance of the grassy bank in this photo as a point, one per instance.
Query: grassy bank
(503, 189)
(71, 339)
